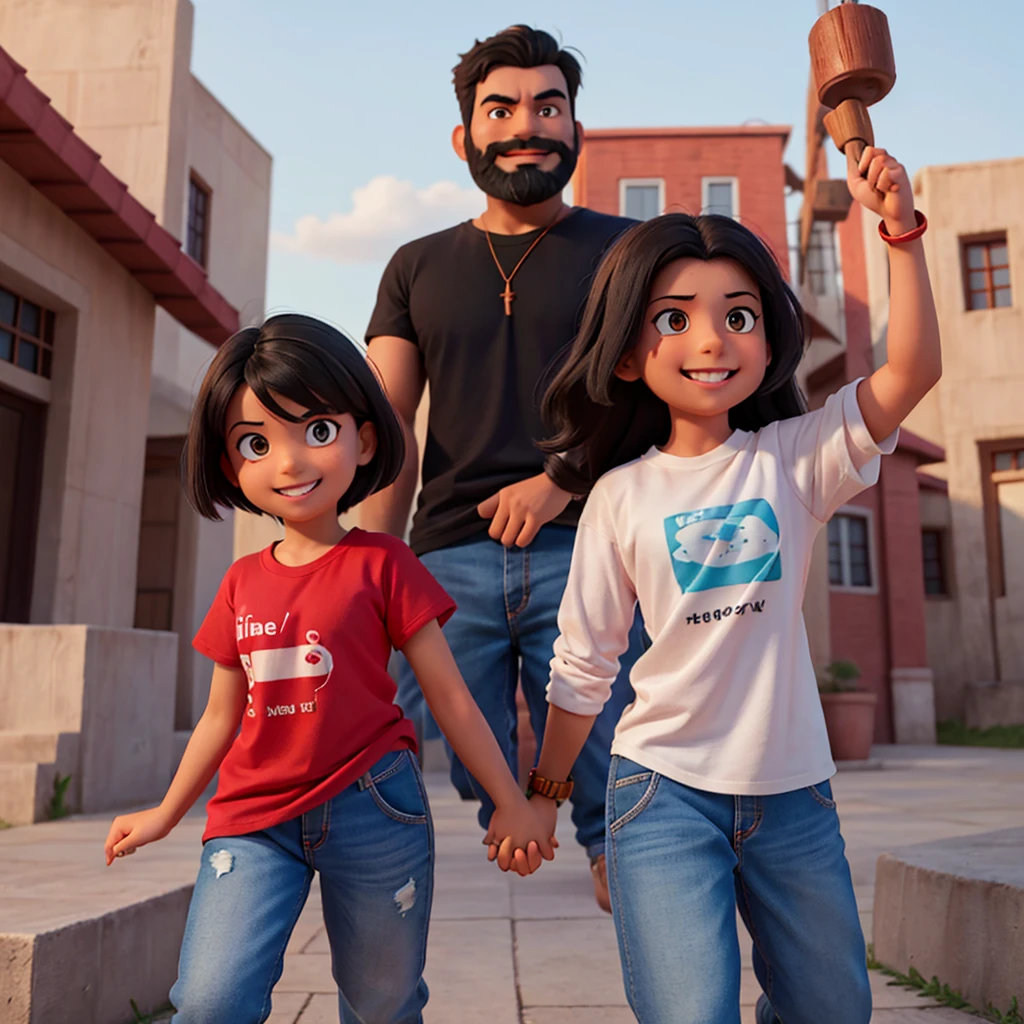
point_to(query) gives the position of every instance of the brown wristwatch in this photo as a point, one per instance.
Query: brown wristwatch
(557, 791)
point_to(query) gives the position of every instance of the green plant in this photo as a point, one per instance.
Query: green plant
(942, 993)
(160, 1014)
(5, 824)
(838, 677)
(56, 807)
(957, 734)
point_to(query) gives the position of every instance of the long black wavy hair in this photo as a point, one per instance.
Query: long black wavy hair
(317, 367)
(603, 421)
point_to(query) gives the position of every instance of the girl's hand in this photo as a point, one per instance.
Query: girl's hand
(130, 831)
(880, 183)
(518, 838)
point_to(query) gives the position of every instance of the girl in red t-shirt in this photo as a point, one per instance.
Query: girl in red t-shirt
(316, 762)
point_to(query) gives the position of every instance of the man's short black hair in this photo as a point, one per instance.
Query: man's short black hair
(520, 47)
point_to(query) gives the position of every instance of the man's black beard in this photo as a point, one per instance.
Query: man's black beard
(525, 186)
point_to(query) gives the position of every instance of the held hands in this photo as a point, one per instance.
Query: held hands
(880, 183)
(528, 836)
(130, 831)
(517, 512)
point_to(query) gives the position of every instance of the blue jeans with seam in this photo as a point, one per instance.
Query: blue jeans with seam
(373, 845)
(504, 631)
(680, 863)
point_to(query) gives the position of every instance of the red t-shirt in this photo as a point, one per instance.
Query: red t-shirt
(314, 641)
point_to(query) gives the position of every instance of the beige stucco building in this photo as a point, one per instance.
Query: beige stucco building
(973, 513)
(107, 321)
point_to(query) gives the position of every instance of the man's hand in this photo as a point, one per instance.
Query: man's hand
(517, 512)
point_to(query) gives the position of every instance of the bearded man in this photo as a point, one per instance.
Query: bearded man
(480, 312)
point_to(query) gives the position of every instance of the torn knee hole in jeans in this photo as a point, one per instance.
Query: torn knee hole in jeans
(222, 861)
(405, 898)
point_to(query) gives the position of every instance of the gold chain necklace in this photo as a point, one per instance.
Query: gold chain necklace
(508, 295)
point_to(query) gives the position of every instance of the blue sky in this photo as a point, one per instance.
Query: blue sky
(354, 101)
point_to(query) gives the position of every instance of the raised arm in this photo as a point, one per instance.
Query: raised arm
(914, 357)
(401, 369)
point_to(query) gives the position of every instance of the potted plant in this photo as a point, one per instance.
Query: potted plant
(849, 712)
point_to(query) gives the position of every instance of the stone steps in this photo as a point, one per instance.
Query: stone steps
(29, 766)
(954, 909)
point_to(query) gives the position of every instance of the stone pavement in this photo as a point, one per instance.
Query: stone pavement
(505, 950)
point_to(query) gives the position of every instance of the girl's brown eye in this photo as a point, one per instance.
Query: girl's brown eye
(671, 321)
(253, 447)
(741, 320)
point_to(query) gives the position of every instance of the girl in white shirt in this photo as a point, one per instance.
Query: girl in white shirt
(679, 393)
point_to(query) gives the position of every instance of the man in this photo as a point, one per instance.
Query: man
(479, 312)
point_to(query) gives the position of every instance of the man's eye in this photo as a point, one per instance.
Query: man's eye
(672, 321)
(549, 111)
(253, 447)
(499, 113)
(321, 433)
(741, 320)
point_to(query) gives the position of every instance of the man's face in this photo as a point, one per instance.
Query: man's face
(521, 145)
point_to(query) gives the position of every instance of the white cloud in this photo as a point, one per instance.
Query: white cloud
(386, 212)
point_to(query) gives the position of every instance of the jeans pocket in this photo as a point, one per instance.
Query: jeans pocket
(397, 790)
(823, 794)
(631, 794)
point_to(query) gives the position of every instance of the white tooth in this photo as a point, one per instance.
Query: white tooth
(297, 492)
(710, 377)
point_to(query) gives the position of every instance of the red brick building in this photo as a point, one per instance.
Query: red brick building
(866, 598)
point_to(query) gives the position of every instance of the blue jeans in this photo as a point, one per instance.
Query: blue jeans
(680, 862)
(373, 845)
(504, 631)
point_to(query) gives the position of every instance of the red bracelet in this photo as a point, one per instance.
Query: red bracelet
(907, 236)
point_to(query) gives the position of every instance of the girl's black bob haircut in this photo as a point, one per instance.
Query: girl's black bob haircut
(604, 421)
(311, 363)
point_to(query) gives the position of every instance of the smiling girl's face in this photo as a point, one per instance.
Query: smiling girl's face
(294, 471)
(702, 349)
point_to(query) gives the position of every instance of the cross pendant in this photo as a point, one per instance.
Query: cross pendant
(508, 295)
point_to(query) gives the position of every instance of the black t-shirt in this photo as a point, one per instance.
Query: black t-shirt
(486, 370)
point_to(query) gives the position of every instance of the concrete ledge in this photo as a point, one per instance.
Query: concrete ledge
(955, 909)
(79, 940)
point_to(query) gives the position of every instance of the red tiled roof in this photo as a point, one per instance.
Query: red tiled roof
(44, 149)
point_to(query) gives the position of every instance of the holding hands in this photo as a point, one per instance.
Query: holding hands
(521, 837)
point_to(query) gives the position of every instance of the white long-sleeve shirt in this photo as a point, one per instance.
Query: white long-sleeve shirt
(716, 549)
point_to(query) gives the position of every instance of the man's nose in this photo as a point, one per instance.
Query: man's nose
(527, 122)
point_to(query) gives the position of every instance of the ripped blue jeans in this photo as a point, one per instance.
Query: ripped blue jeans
(373, 845)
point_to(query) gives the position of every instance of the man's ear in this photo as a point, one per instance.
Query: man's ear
(579, 137)
(459, 141)
(228, 470)
(367, 443)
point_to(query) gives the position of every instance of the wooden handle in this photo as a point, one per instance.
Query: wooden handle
(850, 127)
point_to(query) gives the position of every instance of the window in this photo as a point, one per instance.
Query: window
(849, 550)
(1003, 501)
(641, 198)
(987, 273)
(26, 334)
(822, 268)
(197, 243)
(933, 550)
(721, 196)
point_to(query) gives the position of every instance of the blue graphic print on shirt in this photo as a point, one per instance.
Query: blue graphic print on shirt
(724, 545)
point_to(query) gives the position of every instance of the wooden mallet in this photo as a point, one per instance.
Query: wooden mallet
(853, 67)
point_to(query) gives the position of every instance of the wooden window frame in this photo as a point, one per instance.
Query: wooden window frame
(196, 183)
(991, 478)
(625, 183)
(989, 240)
(867, 514)
(43, 343)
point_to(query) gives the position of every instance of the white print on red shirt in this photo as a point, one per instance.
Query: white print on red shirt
(310, 660)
